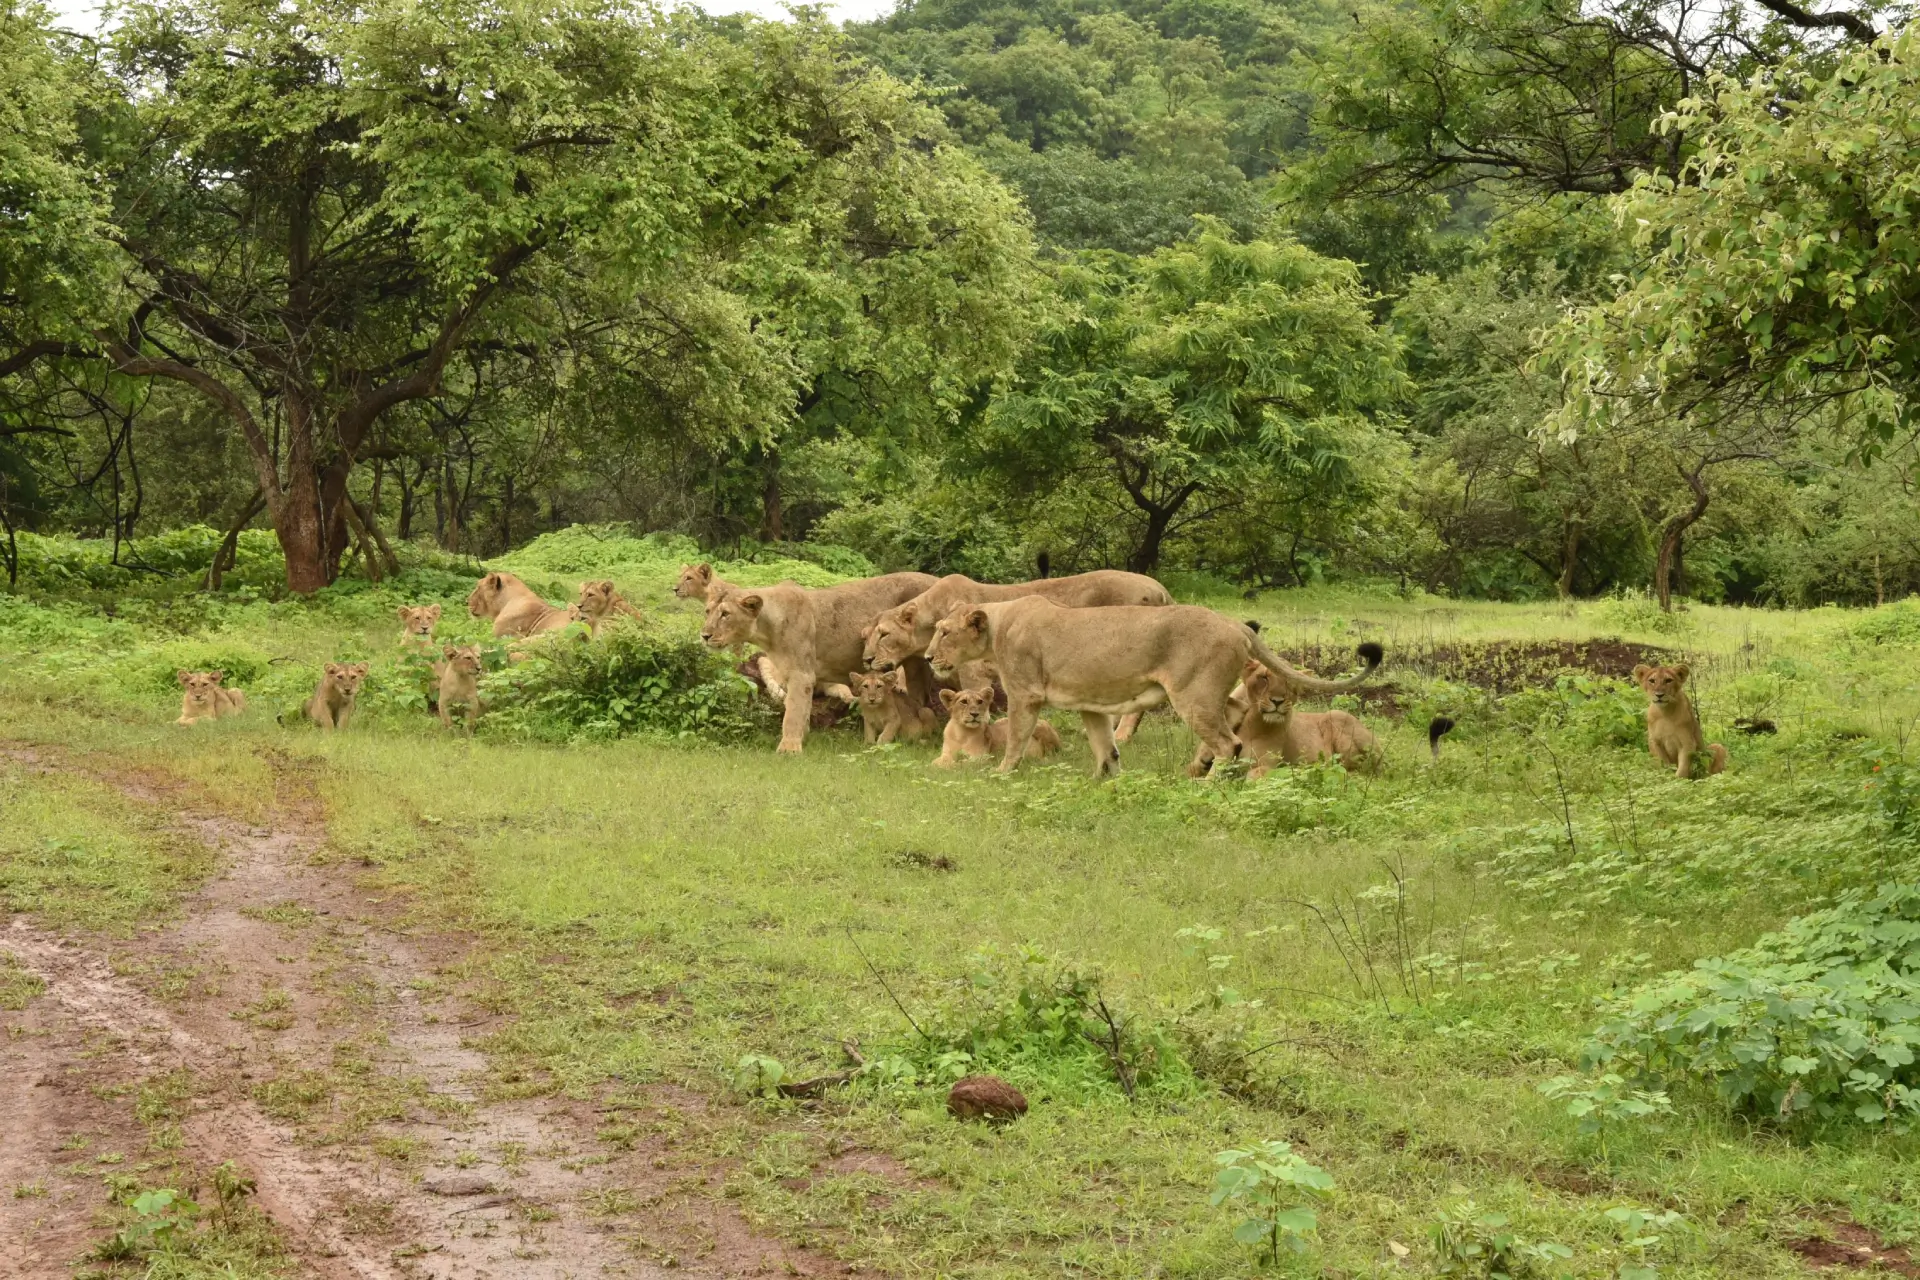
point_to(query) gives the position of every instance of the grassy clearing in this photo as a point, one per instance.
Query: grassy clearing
(1380, 971)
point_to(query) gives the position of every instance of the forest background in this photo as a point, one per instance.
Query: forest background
(1504, 298)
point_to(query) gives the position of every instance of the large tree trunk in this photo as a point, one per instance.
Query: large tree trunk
(1146, 556)
(297, 524)
(1569, 558)
(1676, 528)
(772, 514)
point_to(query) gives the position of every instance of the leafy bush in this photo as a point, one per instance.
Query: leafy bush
(1636, 611)
(1896, 623)
(1277, 1186)
(633, 679)
(1818, 1020)
(1472, 1242)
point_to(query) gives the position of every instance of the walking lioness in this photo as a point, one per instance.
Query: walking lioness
(1105, 662)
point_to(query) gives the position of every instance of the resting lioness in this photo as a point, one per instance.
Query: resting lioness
(202, 697)
(885, 708)
(513, 606)
(1271, 729)
(972, 732)
(1673, 726)
(416, 626)
(810, 633)
(696, 582)
(600, 600)
(331, 705)
(1104, 662)
(905, 631)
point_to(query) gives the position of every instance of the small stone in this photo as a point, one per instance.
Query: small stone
(985, 1098)
(458, 1184)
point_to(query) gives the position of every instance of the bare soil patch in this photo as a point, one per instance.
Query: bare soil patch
(327, 1052)
(1844, 1243)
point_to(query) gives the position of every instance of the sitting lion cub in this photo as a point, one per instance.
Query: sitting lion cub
(331, 705)
(416, 626)
(460, 684)
(973, 733)
(202, 698)
(1673, 726)
(885, 708)
(1270, 726)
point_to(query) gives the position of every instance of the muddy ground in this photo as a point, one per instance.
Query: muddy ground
(285, 1022)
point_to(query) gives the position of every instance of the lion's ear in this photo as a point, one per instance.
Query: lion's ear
(977, 620)
(217, 676)
(855, 677)
(866, 632)
(898, 679)
(947, 696)
(1251, 670)
(182, 675)
(403, 611)
(751, 603)
(908, 612)
(433, 611)
(451, 651)
(1640, 674)
(1681, 671)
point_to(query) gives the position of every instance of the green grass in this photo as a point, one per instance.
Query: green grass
(653, 912)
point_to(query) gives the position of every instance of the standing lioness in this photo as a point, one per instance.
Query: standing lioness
(810, 634)
(1105, 662)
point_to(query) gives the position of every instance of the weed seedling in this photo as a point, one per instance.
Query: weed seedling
(1276, 1186)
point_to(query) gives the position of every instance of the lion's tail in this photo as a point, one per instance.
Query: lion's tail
(1370, 653)
(1438, 729)
(1718, 754)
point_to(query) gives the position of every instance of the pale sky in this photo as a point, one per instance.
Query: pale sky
(84, 15)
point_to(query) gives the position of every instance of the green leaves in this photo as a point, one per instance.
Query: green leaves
(1276, 1186)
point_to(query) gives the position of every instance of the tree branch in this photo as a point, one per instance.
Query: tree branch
(134, 365)
(1853, 24)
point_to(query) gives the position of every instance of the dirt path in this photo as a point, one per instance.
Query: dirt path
(263, 1027)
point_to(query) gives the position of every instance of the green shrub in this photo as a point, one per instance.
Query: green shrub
(1896, 623)
(633, 679)
(1818, 1020)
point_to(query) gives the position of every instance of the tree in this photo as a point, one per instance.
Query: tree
(1184, 375)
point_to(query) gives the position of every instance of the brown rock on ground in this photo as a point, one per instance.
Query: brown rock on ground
(985, 1098)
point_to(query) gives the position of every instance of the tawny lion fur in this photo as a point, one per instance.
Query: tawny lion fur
(885, 708)
(331, 705)
(601, 600)
(1110, 661)
(1673, 726)
(809, 634)
(697, 582)
(460, 684)
(417, 622)
(203, 698)
(514, 607)
(905, 631)
(1270, 729)
(973, 734)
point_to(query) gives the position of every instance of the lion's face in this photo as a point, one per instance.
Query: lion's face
(873, 691)
(347, 676)
(694, 581)
(484, 600)
(1267, 693)
(970, 708)
(597, 598)
(463, 657)
(730, 620)
(202, 687)
(959, 637)
(1661, 684)
(890, 642)
(419, 620)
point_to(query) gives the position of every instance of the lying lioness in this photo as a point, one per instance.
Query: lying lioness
(972, 732)
(513, 606)
(1104, 662)
(416, 626)
(203, 698)
(696, 582)
(1271, 729)
(885, 709)
(809, 634)
(905, 631)
(1673, 726)
(600, 600)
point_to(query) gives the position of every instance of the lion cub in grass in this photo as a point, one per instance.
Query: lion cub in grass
(202, 698)
(1673, 726)
(417, 622)
(885, 708)
(1271, 727)
(331, 705)
(973, 733)
(460, 684)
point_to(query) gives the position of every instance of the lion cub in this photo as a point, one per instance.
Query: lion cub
(1673, 726)
(973, 733)
(460, 684)
(202, 698)
(885, 709)
(1270, 726)
(331, 705)
(416, 626)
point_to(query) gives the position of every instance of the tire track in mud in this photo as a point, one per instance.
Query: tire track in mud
(275, 970)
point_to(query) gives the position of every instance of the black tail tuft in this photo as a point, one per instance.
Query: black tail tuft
(1372, 654)
(1438, 729)
(1046, 564)
(1253, 625)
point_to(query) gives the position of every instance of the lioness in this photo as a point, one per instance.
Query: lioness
(460, 684)
(1270, 728)
(905, 631)
(808, 633)
(600, 600)
(513, 606)
(202, 697)
(1673, 726)
(1108, 661)
(972, 732)
(696, 582)
(331, 705)
(885, 708)
(416, 626)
